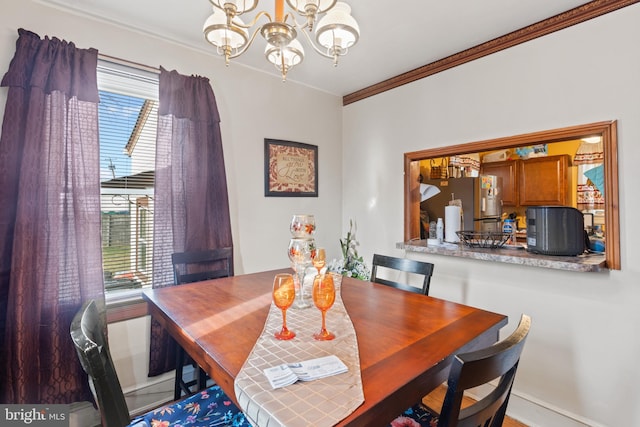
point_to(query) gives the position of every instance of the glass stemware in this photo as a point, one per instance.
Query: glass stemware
(303, 226)
(319, 258)
(324, 295)
(300, 251)
(283, 296)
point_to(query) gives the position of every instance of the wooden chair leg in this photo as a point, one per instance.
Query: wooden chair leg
(177, 387)
(181, 385)
(202, 379)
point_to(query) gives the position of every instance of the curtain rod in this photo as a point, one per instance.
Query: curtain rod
(128, 63)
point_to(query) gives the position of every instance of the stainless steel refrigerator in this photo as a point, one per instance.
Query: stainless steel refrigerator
(481, 201)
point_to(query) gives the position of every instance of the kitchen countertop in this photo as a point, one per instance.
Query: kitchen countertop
(580, 263)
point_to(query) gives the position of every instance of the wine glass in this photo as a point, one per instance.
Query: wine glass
(324, 295)
(319, 258)
(283, 296)
(300, 251)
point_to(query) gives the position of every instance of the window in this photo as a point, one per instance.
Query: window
(127, 114)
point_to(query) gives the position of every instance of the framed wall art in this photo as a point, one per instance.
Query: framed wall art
(290, 169)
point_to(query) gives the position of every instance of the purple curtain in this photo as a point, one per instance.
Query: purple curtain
(191, 200)
(50, 255)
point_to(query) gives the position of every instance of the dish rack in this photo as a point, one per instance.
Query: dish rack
(483, 239)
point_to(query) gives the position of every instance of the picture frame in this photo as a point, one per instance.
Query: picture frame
(290, 169)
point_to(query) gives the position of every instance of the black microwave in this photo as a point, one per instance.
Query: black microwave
(555, 230)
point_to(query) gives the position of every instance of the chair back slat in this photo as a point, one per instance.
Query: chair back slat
(469, 370)
(196, 266)
(405, 265)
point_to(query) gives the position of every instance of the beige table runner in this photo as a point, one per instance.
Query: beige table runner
(318, 403)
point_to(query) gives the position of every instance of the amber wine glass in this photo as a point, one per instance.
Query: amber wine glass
(283, 296)
(319, 259)
(324, 295)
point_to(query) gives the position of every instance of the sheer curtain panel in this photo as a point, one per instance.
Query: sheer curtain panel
(191, 199)
(50, 256)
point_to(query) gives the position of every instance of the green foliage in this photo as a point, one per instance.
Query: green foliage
(351, 264)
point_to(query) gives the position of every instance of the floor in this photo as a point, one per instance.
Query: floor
(436, 397)
(140, 401)
(143, 400)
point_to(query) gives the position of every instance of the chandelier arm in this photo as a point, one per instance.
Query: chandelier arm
(262, 13)
(254, 20)
(296, 24)
(313, 45)
(257, 30)
(246, 46)
(293, 18)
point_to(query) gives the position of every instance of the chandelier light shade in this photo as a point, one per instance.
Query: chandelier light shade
(335, 32)
(311, 8)
(229, 39)
(238, 7)
(338, 31)
(285, 57)
(303, 7)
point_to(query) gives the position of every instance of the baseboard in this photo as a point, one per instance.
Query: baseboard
(537, 413)
(139, 401)
(534, 412)
(150, 397)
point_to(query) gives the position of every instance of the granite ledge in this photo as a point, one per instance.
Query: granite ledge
(580, 263)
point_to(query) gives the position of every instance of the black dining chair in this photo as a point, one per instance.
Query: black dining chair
(469, 370)
(88, 332)
(383, 262)
(196, 266)
(191, 267)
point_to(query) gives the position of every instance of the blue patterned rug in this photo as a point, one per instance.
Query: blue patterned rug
(416, 416)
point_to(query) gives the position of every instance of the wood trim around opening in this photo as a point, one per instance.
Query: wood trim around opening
(558, 22)
(607, 130)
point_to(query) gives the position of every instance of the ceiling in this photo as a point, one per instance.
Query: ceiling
(393, 40)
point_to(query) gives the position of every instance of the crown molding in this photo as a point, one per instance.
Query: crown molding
(555, 23)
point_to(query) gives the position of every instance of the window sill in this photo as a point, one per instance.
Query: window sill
(581, 263)
(126, 307)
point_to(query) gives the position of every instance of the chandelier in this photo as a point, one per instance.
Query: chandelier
(335, 32)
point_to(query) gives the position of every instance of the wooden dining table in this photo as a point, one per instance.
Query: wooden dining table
(406, 340)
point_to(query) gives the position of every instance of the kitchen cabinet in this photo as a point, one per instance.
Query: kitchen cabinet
(541, 181)
(544, 181)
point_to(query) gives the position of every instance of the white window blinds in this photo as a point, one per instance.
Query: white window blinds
(128, 112)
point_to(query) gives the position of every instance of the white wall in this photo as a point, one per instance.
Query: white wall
(581, 357)
(252, 106)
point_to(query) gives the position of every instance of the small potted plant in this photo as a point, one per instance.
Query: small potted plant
(351, 264)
